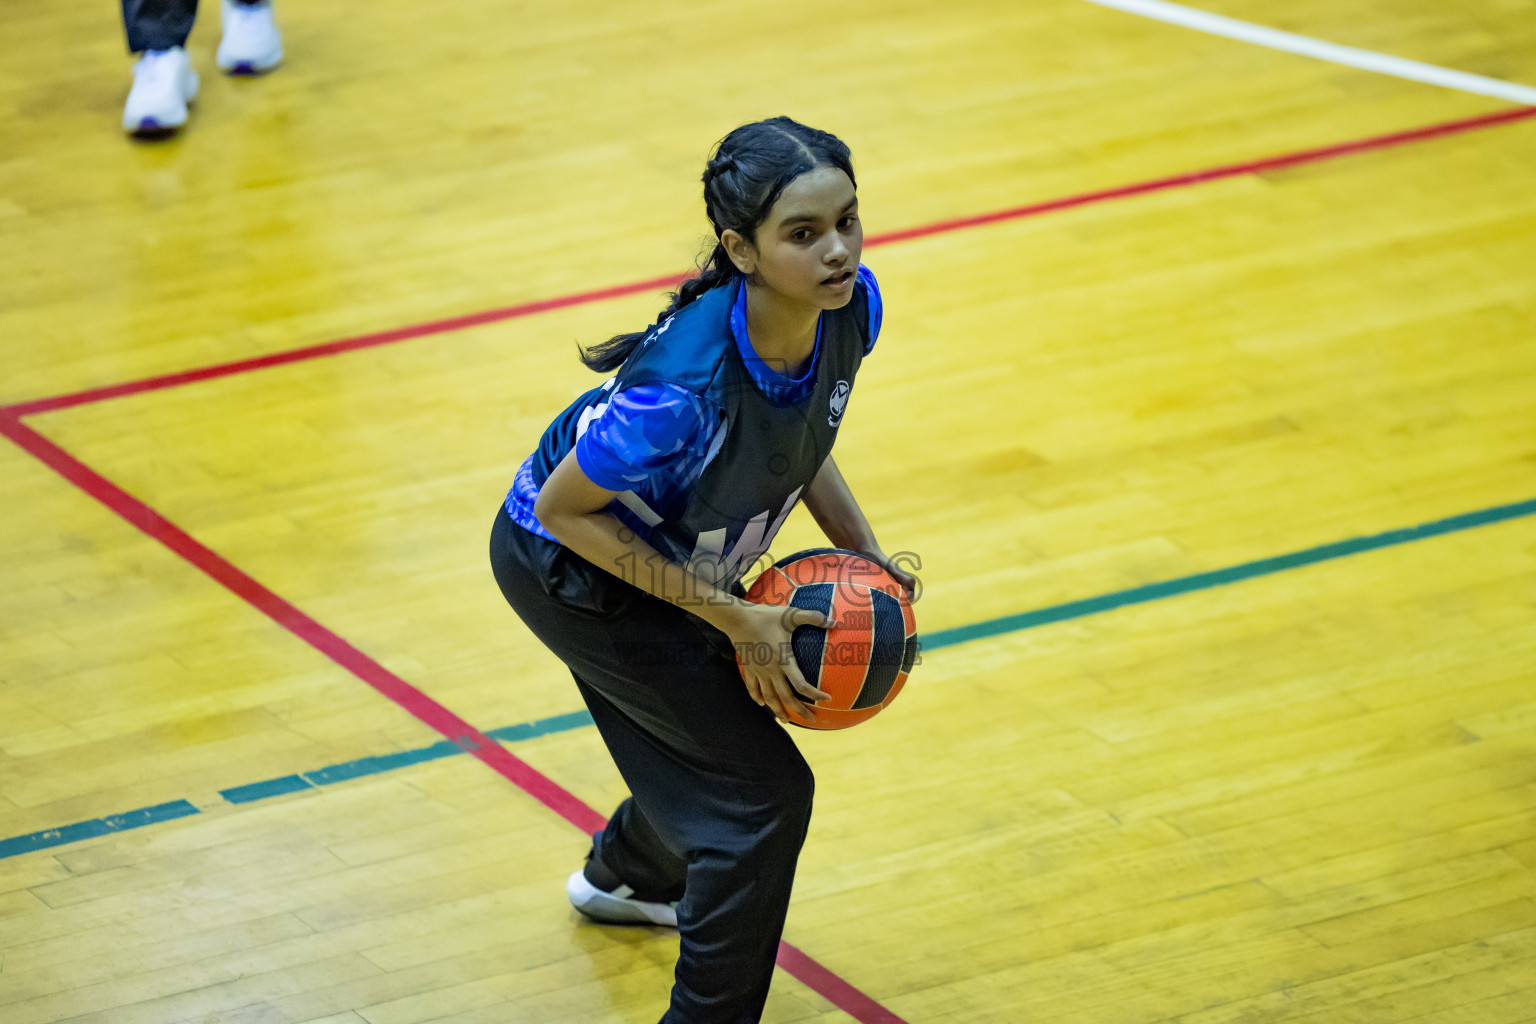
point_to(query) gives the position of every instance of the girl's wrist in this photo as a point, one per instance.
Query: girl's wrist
(861, 542)
(724, 614)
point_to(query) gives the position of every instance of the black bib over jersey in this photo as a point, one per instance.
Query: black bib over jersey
(769, 452)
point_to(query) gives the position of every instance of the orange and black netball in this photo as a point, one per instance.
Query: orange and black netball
(862, 661)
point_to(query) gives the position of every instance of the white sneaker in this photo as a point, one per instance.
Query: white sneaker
(163, 84)
(617, 906)
(251, 42)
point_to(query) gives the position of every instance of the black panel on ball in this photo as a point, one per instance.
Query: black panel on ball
(809, 641)
(885, 650)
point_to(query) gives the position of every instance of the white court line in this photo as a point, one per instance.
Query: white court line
(1367, 60)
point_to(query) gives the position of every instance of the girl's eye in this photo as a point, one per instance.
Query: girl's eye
(801, 234)
(848, 222)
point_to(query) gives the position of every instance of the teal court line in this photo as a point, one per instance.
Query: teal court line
(1221, 577)
(389, 762)
(267, 788)
(366, 766)
(95, 827)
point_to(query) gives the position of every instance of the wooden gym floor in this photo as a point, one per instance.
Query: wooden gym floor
(1224, 489)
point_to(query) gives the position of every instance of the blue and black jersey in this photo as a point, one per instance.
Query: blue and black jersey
(708, 446)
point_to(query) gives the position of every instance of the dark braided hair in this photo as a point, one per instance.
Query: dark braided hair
(750, 169)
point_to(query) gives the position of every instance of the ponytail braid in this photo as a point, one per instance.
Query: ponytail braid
(607, 356)
(750, 169)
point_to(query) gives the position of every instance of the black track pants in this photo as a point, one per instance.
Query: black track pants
(721, 796)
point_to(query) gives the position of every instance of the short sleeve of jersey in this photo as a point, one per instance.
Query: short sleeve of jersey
(648, 431)
(876, 307)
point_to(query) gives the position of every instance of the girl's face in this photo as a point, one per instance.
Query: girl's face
(808, 247)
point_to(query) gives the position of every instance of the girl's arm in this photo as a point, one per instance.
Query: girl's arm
(573, 509)
(837, 512)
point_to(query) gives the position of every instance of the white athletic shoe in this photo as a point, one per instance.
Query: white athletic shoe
(251, 42)
(616, 907)
(163, 84)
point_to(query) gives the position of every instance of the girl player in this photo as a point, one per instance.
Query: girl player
(625, 535)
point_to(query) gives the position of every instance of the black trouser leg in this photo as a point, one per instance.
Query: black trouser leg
(631, 848)
(717, 782)
(158, 24)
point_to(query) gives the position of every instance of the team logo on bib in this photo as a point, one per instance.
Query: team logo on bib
(839, 402)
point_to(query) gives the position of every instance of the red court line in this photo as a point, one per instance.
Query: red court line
(833, 988)
(330, 348)
(517, 771)
(1274, 163)
(285, 614)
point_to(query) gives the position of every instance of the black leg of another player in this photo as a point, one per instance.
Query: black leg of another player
(158, 24)
(717, 783)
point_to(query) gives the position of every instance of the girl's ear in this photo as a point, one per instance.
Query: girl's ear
(739, 250)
